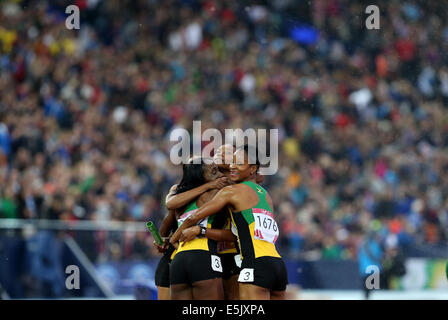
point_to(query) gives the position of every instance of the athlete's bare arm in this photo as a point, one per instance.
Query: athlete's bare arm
(169, 224)
(213, 234)
(224, 197)
(175, 201)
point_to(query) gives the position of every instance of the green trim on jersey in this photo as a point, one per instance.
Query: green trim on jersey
(262, 201)
(191, 206)
(252, 247)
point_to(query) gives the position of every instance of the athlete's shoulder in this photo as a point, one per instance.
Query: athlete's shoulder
(232, 189)
(173, 188)
(170, 193)
(206, 196)
(236, 186)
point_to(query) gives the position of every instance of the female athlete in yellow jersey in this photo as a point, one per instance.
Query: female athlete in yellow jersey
(226, 250)
(162, 274)
(263, 274)
(195, 271)
(169, 224)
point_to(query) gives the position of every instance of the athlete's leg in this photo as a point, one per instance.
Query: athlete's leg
(181, 292)
(162, 278)
(163, 293)
(278, 295)
(253, 292)
(231, 288)
(210, 289)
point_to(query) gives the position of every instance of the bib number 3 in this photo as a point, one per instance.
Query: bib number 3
(216, 263)
(246, 275)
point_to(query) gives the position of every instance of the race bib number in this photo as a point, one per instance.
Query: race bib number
(238, 260)
(216, 263)
(266, 228)
(246, 275)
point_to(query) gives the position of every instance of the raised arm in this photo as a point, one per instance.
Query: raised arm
(219, 201)
(169, 223)
(220, 235)
(176, 201)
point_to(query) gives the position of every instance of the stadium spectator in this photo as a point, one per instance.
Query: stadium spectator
(85, 115)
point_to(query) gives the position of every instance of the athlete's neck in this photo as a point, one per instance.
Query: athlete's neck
(254, 180)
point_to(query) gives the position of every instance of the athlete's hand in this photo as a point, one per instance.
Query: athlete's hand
(220, 183)
(190, 233)
(161, 248)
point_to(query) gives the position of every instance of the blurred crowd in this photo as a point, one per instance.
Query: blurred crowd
(85, 115)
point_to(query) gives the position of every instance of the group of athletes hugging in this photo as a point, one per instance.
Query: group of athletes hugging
(220, 232)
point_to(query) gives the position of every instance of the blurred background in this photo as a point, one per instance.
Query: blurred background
(85, 119)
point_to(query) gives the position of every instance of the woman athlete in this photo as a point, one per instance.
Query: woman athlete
(263, 274)
(195, 272)
(162, 274)
(226, 250)
(169, 224)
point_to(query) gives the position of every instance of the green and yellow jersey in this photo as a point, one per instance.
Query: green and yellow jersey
(199, 243)
(227, 247)
(173, 254)
(256, 227)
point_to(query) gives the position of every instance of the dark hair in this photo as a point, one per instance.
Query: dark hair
(252, 154)
(192, 177)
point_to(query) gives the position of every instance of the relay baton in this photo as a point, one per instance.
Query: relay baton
(155, 233)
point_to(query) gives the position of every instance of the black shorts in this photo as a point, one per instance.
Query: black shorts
(162, 275)
(229, 267)
(265, 272)
(191, 266)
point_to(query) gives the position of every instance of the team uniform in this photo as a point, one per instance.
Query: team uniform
(229, 254)
(162, 275)
(257, 232)
(197, 260)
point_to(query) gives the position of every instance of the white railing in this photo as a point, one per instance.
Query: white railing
(81, 225)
